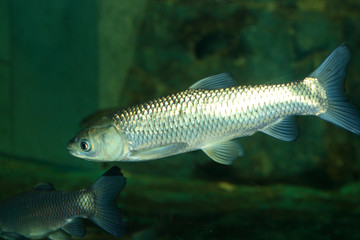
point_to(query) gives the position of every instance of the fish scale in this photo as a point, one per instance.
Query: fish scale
(213, 115)
(213, 112)
(45, 209)
(45, 212)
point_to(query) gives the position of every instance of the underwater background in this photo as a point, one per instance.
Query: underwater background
(61, 61)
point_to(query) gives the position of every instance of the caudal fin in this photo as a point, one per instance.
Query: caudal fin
(331, 75)
(106, 189)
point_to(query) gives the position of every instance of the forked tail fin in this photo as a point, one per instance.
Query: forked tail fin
(106, 190)
(331, 75)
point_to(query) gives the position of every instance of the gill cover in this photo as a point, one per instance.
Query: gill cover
(113, 144)
(100, 141)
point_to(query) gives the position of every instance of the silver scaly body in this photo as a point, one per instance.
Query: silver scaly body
(214, 111)
(201, 117)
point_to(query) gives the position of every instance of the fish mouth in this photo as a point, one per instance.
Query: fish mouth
(69, 146)
(72, 151)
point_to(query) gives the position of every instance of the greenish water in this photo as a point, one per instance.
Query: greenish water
(64, 60)
(159, 207)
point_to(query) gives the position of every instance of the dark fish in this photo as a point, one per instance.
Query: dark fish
(44, 212)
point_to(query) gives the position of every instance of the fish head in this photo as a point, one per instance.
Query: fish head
(101, 141)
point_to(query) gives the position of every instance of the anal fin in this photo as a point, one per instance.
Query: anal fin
(59, 235)
(284, 129)
(75, 227)
(224, 152)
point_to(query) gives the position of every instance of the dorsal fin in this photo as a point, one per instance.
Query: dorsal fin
(44, 187)
(284, 129)
(222, 80)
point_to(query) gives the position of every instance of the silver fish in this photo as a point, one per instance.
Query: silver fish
(44, 212)
(214, 111)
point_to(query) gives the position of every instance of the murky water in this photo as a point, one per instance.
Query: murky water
(62, 61)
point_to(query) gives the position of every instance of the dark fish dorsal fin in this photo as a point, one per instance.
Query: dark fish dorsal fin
(222, 80)
(284, 129)
(75, 227)
(44, 187)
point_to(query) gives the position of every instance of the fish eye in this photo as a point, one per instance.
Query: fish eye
(85, 145)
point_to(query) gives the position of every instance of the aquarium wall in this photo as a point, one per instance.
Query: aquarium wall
(65, 62)
(5, 76)
(60, 62)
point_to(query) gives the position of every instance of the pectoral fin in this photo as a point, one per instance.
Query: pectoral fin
(224, 152)
(284, 129)
(159, 152)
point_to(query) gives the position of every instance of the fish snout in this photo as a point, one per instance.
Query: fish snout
(72, 141)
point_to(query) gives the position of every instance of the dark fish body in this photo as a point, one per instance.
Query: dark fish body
(44, 212)
(214, 111)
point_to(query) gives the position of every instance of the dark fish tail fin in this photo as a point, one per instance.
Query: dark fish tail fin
(331, 75)
(106, 190)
